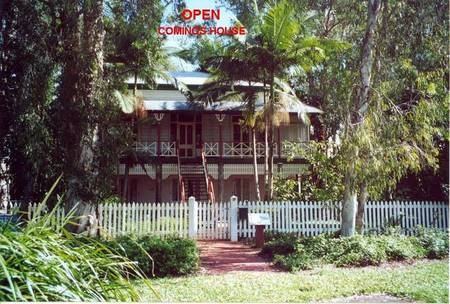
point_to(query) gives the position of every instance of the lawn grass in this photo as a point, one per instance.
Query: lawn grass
(425, 281)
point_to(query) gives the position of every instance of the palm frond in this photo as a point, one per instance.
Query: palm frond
(288, 99)
(280, 27)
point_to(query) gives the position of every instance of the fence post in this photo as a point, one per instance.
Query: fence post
(193, 217)
(233, 218)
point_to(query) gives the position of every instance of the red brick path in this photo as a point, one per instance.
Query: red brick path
(224, 256)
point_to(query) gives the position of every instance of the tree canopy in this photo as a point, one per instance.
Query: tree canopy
(377, 69)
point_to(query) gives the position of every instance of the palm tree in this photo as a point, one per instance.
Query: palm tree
(283, 50)
(275, 49)
(240, 64)
(228, 70)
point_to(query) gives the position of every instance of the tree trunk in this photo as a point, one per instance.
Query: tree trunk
(362, 199)
(367, 57)
(270, 137)
(80, 100)
(270, 168)
(266, 150)
(91, 76)
(255, 165)
(348, 219)
(349, 206)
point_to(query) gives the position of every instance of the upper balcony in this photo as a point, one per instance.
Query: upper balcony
(212, 149)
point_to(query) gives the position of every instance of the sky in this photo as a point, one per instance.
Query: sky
(178, 42)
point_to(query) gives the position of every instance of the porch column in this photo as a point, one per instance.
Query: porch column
(158, 117)
(158, 144)
(221, 186)
(158, 169)
(220, 167)
(220, 118)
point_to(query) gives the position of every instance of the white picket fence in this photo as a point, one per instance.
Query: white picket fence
(143, 218)
(313, 218)
(204, 220)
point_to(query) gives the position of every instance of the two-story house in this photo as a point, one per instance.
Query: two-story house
(184, 149)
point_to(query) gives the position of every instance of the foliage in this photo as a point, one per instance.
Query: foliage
(323, 180)
(38, 264)
(281, 243)
(399, 248)
(294, 253)
(420, 282)
(357, 251)
(434, 241)
(294, 262)
(286, 189)
(111, 200)
(159, 256)
(404, 129)
(63, 61)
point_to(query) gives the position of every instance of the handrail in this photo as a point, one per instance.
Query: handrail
(211, 191)
(182, 191)
(205, 172)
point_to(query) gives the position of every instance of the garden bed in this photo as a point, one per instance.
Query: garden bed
(292, 253)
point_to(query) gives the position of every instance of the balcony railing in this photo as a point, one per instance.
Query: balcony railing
(151, 148)
(211, 149)
(146, 147)
(168, 148)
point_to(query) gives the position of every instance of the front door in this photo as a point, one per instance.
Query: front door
(186, 136)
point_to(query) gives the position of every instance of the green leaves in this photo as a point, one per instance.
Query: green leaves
(41, 265)
(323, 179)
(279, 27)
(125, 101)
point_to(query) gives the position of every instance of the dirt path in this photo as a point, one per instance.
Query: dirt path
(219, 257)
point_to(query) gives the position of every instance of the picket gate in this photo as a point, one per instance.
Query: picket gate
(220, 221)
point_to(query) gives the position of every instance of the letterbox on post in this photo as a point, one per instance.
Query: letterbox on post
(259, 220)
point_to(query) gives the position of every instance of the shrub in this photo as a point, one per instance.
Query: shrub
(294, 262)
(318, 246)
(129, 247)
(279, 244)
(172, 255)
(357, 251)
(400, 248)
(294, 253)
(159, 256)
(38, 264)
(434, 242)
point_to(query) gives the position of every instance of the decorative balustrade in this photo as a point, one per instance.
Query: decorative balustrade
(146, 147)
(151, 148)
(212, 149)
(168, 148)
(244, 149)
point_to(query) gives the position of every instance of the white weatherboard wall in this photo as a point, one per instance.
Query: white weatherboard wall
(204, 220)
